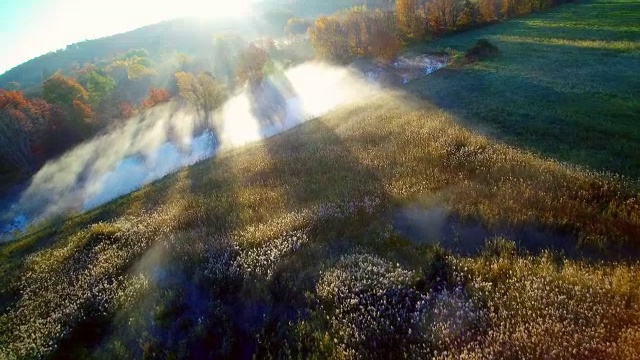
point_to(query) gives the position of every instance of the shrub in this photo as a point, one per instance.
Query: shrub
(483, 49)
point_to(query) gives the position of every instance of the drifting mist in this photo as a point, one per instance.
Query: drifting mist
(164, 139)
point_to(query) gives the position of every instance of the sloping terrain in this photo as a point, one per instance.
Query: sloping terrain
(290, 247)
(253, 238)
(565, 84)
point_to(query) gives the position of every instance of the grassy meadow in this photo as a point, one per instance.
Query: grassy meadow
(566, 83)
(287, 248)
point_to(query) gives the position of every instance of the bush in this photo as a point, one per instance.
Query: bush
(483, 49)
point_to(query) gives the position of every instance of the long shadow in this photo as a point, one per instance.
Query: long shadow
(309, 166)
(179, 295)
(561, 86)
(588, 123)
(468, 237)
(171, 191)
(311, 163)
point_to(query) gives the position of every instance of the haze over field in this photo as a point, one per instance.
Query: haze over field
(167, 137)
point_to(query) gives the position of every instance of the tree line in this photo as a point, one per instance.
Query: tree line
(72, 108)
(380, 33)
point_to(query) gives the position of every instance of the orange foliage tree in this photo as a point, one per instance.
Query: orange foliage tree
(488, 12)
(443, 15)
(154, 97)
(126, 110)
(21, 125)
(329, 39)
(71, 96)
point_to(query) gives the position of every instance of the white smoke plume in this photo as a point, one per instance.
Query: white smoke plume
(168, 137)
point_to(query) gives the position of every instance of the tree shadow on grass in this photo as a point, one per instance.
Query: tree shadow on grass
(560, 117)
(312, 168)
(468, 237)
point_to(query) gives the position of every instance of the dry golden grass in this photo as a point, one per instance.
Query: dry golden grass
(537, 308)
(285, 205)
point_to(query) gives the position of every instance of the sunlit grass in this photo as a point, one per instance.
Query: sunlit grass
(325, 181)
(610, 45)
(540, 307)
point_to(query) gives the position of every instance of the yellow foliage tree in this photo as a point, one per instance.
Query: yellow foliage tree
(329, 39)
(201, 90)
(410, 19)
(357, 32)
(487, 9)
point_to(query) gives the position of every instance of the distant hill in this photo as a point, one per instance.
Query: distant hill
(189, 36)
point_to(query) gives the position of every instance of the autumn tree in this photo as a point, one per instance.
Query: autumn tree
(136, 63)
(63, 90)
(329, 39)
(468, 16)
(252, 64)
(125, 110)
(356, 32)
(20, 125)
(133, 72)
(384, 43)
(354, 22)
(71, 96)
(410, 18)
(202, 90)
(507, 8)
(155, 96)
(487, 11)
(443, 15)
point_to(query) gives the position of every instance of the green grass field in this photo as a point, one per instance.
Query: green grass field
(287, 248)
(566, 84)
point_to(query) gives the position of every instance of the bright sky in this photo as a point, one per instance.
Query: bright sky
(29, 28)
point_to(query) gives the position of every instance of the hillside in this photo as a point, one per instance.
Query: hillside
(189, 36)
(417, 222)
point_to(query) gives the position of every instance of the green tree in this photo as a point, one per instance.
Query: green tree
(99, 85)
(136, 62)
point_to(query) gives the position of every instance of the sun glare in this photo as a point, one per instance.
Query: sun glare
(220, 8)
